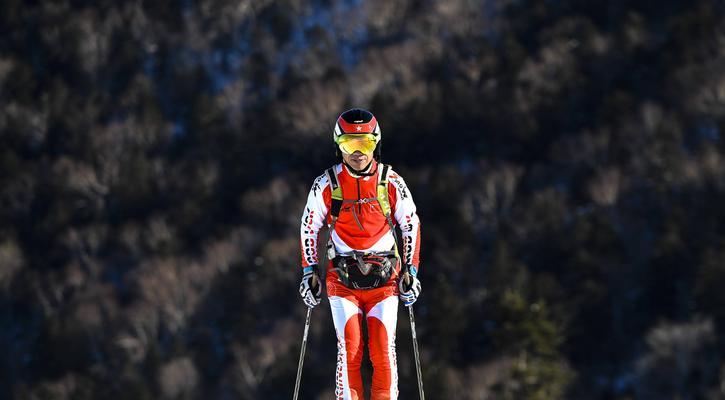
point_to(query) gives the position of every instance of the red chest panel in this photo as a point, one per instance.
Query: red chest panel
(360, 223)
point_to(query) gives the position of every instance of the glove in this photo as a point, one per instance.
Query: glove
(409, 291)
(310, 288)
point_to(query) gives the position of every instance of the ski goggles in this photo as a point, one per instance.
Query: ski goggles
(350, 143)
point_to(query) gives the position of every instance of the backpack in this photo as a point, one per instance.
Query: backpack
(383, 199)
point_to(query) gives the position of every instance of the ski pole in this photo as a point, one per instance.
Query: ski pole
(302, 350)
(415, 345)
(302, 354)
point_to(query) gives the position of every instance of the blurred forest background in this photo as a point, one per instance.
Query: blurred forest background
(566, 157)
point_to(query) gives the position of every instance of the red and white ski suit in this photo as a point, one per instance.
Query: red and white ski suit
(369, 233)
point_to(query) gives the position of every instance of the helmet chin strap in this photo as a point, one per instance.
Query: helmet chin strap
(362, 172)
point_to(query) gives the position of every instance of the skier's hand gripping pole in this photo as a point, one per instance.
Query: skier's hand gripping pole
(310, 289)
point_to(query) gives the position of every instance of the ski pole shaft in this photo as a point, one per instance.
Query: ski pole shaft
(302, 353)
(416, 352)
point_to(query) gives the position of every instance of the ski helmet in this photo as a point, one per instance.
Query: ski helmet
(357, 129)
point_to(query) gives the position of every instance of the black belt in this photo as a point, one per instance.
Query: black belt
(365, 270)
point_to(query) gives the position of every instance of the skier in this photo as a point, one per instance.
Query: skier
(361, 200)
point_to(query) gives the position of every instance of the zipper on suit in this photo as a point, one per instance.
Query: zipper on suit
(359, 206)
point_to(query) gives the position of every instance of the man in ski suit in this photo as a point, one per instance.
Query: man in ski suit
(364, 271)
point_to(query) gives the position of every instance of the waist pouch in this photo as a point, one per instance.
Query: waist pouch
(365, 271)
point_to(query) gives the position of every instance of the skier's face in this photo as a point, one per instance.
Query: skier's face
(358, 159)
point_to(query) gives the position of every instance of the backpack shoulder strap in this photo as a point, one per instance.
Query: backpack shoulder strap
(383, 195)
(336, 200)
(384, 201)
(336, 192)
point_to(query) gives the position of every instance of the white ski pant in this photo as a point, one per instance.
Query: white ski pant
(380, 307)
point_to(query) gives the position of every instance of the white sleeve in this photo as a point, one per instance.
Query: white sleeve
(313, 218)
